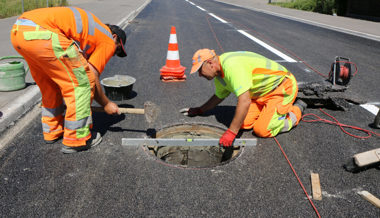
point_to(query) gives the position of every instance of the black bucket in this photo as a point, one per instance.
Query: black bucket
(118, 87)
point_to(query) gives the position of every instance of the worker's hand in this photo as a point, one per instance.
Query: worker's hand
(191, 112)
(227, 138)
(111, 108)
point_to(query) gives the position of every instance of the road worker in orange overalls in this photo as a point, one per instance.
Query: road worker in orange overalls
(265, 90)
(66, 49)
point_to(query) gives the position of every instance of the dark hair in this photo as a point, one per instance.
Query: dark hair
(122, 37)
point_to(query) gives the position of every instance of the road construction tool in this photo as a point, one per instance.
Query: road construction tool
(184, 142)
(363, 161)
(334, 91)
(150, 110)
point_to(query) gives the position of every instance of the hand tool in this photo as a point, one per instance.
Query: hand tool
(184, 142)
(150, 111)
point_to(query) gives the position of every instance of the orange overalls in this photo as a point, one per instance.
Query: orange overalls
(58, 44)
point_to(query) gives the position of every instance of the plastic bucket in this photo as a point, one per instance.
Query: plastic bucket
(118, 87)
(12, 74)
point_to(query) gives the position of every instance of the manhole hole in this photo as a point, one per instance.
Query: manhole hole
(193, 156)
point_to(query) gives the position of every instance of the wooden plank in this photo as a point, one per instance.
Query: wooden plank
(316, 186)
(371, 198)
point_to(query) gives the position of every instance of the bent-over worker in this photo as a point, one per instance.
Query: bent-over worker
(67, 49)
(265, 90)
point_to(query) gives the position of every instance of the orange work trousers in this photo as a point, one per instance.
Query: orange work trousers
(274, 113)
(64, 78)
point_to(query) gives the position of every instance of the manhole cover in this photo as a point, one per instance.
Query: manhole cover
(193, 156)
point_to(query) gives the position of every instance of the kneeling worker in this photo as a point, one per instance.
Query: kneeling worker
(265, 90)
(66, 49)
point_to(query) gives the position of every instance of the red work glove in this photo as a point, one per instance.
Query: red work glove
(191, 112)
(227, 138)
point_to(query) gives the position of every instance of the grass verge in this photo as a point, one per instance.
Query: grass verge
(9, 8)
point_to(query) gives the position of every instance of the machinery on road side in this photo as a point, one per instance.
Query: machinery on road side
(334, 91)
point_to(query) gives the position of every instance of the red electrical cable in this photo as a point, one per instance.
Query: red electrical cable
(299, 180)
(213, 32)
(341, 125)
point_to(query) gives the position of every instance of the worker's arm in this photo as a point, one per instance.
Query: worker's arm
(211, 103)
(196, 111)
(244, 101)
(109, 106)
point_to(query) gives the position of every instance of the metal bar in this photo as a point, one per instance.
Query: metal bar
(184, 142)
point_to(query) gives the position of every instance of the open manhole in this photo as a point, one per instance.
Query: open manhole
(193, 156)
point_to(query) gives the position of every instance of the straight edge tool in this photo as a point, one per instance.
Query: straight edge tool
(184, 142)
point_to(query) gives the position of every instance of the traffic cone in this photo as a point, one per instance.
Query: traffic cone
(173, 71)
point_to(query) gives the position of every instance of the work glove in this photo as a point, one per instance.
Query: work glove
(191, 112)
(227, 138)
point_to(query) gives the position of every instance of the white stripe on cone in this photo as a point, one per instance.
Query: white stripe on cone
(172, 55)
(173, 39)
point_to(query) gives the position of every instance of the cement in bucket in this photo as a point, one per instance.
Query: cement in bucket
(118, 87)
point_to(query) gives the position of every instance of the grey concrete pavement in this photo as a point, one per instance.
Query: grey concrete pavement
(16, 103)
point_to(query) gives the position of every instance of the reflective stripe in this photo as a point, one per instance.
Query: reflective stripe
(91, 24)
(53, 112)
(286, 126)
(172, 55)
(74, 125)
(78, 20)
(103, 30)
(45, 128)
(293, 117)
(25, 22)
(173, 39)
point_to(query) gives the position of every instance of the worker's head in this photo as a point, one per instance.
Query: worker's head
(119, 38)
(206, 63)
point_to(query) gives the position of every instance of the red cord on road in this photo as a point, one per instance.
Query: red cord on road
(299, 180)
(341, 125)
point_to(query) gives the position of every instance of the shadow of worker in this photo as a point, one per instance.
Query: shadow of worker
(223, 114)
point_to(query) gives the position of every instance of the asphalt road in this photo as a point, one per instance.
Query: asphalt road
(115, 181)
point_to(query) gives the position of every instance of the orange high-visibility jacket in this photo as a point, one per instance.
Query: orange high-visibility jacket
(93, 37)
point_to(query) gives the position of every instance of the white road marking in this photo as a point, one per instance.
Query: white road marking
(265, 45)
(371, 108)
(218, 18)
(258, 41)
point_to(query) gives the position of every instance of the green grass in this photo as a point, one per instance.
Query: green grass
(9, 8)
(320, 6)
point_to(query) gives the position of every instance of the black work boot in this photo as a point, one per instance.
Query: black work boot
(95, 139)
(300, 104)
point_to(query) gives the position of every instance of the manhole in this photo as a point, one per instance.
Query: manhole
(193, 156)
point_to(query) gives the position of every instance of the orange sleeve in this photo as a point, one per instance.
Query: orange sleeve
(101, 55)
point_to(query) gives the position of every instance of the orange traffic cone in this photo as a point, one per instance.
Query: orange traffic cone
(173, 71)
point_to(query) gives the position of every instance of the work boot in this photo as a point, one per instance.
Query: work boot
(300, 104)
(95, 139)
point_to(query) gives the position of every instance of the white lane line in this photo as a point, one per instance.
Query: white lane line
(258, 41)
(265, 45)
(218, 18)
(371, 108)
(201, 8)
